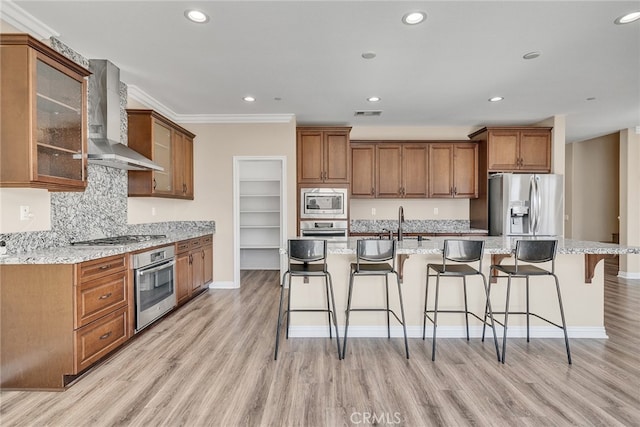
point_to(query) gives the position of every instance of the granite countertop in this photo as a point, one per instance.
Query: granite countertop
(77, 254)
(493, 245)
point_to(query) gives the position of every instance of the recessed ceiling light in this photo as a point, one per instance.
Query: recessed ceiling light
(196, 16)
(369, 55)
(249, 99)
(628, 18)
(413, 18)
(373, 99)
(496, 99)
(531, 55)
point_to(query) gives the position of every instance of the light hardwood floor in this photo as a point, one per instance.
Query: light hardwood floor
(211, 363)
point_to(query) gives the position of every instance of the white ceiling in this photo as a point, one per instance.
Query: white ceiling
(304, 58)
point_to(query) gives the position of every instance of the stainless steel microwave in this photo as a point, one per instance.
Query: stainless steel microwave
(319, 203)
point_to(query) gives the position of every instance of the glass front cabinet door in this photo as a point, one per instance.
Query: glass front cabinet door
(44, 117)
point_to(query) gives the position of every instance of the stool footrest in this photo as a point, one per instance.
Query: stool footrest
(530, 314)
(379, 309)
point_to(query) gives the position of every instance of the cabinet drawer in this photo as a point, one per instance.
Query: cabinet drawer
(195, 243)
(101, 267)
(99, 297)
(207, 240)
(182, 246)
(97, 339)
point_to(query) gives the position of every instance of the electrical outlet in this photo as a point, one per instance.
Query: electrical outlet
(435, 211)
(24, 213)
(153, 211)
(373, 211)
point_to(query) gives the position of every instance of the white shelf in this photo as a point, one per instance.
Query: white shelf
(260, 196)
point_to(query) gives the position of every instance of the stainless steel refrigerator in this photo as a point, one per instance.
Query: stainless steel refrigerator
(526, 204)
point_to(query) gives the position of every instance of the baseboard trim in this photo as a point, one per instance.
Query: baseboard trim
(593, 332)
(628, 274)
(223, 285)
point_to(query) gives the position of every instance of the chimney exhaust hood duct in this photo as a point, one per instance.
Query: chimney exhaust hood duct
(103, 147)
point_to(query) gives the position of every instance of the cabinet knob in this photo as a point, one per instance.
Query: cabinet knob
(373, 191)
(154, 183)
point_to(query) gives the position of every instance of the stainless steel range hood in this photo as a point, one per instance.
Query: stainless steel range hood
(103, 146)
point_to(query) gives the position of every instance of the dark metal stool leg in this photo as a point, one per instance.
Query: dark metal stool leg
(424, 314)
(527, 303)
(488, 308)
(334, 314)
(289, 303)
(326, 286)
(466, 307)
(506, 317)
(487, 305)
(386, 283)
(404, 322)
(564, 324)
(435, 319)
(275, 355)
(346, 324)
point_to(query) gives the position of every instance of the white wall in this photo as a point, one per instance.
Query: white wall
(593, 188)
(214, 148)
(630, 201)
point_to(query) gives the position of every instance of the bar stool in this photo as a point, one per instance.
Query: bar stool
(531, 251)
(376, 255)
(458, 251)
(307, 258)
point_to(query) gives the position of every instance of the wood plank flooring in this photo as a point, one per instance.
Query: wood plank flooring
(211, 364)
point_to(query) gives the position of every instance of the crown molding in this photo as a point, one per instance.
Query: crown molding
(16, 16)
(235, 118)
(141, 96)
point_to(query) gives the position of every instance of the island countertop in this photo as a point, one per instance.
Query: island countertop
(493, 246)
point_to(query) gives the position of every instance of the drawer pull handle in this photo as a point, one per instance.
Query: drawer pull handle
(105, 336)
(104, 267)
(105, 296)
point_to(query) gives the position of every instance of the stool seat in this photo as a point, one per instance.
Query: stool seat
(307, 269)
(453, 269)
(522, 270)
(364, 268)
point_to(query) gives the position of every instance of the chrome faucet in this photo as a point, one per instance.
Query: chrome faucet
(400, 221)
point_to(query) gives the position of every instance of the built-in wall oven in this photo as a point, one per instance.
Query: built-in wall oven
(154, 283)
(324, 229)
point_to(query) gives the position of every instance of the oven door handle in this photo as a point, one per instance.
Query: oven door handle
(162, 266)
(334, 232)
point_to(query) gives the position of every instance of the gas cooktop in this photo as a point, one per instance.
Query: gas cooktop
(119, 240)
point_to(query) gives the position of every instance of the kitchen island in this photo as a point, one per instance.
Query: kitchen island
(582, 291)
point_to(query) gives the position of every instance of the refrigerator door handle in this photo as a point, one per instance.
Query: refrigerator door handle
(531, 205)
(538, 206)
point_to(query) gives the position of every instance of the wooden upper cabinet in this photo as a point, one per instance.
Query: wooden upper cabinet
(183, 165)
(389, 170)
(414, 170)
(517, 149)
(453, 170)
(323, 155)
(43, 124)
(363, 171)
(167, 144)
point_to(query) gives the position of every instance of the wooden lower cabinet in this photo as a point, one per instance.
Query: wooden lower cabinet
(56, 320)
(194, 266)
